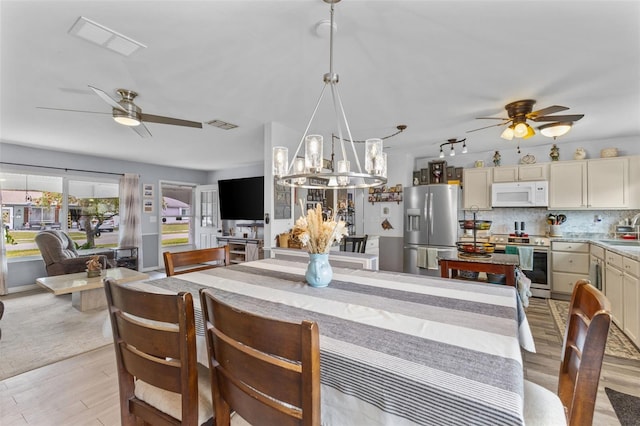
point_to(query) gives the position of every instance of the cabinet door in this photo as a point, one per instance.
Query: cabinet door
(477, 188)
(631, 308)
(533, 172)
(505, 174)
(568, 185)
(608, 183)
(614, 292)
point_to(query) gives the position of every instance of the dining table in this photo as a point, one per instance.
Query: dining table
(395, 349)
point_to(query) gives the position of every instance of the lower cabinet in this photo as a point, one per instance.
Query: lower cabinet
(569, 263)
(242, 249)
(614, 288)
(631, 299)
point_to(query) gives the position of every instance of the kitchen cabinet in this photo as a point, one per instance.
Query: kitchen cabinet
(614, 289)
(631, 299)
(477, 188)
(569, 263)
(242, 249)
(590, 184)
(525, 172)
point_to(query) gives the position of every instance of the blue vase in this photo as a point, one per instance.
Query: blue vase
(319, 272)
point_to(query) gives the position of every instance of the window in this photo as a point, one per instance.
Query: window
(31, 203)
(177, 214)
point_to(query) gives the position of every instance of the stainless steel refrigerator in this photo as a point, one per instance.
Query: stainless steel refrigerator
(430, 226)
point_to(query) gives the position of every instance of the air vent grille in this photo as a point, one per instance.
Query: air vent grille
(221, 124)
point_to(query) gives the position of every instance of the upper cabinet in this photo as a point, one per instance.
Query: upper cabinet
(525, 172)
(477, 188)
(593, 184)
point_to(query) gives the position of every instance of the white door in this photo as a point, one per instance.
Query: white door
(207, 216)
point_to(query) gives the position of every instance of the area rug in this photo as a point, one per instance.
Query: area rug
(618, 344)
(626, 407)
(39, 328)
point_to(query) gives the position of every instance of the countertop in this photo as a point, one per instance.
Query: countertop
(629, 249)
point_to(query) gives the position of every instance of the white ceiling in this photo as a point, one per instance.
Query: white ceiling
(432, 65)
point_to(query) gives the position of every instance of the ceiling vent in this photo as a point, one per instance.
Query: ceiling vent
(221, 124)
(99, 34)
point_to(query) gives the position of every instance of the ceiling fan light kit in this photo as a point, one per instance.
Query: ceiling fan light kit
(553, 130)
(521, 111)
(310, 171)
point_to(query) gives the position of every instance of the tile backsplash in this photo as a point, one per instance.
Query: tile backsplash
(579, 222)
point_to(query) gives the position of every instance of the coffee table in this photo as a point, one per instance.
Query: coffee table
(88, 293)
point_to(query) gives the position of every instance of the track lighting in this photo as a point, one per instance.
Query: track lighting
(452, 142)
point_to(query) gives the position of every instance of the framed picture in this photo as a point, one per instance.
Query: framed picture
(147, 190)
(424, 177)
(416, 178)
(451, 173)
(148, 206)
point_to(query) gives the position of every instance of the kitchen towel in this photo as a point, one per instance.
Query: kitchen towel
(422, 257)
(432, 258)
(526, 258)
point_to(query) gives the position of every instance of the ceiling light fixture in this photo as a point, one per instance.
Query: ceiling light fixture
(452, 142)
(553, 130)
(309, 172)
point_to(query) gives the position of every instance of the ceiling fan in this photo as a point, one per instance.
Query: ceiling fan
(127, 113)
(521, 111)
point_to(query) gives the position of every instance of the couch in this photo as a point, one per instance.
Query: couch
(60, 255)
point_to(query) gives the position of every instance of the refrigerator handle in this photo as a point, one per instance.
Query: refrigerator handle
(430, 213)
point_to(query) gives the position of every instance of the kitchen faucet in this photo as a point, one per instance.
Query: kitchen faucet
(635, 219)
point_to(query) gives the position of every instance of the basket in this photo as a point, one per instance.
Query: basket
(476, 248)
(479, 224)
(608, 152)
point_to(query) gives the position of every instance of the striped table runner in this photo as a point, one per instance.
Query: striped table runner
(396, 349)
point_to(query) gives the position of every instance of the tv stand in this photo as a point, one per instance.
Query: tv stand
(243, 249)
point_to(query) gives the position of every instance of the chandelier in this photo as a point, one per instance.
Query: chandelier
(311, 171)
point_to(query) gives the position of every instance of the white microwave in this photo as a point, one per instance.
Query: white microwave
(520, 194)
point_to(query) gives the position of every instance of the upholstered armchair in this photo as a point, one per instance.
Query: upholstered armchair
(60, 255)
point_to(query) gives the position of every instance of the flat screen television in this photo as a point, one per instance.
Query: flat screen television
(241, 199)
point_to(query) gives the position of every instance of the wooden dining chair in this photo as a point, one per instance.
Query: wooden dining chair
(585, 338)
(155, 343)
(195, 260)
(266, 370)
(357, 244)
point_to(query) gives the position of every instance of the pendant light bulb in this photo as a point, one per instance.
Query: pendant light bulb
(453, 152)
(464, 147)
(441, 153)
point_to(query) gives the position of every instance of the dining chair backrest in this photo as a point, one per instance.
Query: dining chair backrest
(584, 342)
(357, 244)
(585, 338)
(195, 260)
(155, 343)
(264, 369)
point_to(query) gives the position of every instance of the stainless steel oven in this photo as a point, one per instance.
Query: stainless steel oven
(540, 274)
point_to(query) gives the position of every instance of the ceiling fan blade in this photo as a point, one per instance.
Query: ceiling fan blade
(486, 127)
(150, 118)
(108, 99)
(546, 111)
(74, 110)
(141, 130)
(570, 117)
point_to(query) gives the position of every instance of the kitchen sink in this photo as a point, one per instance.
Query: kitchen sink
(628, 243)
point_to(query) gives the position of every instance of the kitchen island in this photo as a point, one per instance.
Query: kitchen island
(451, 263)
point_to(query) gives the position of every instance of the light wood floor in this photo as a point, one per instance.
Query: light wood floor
(83, 390)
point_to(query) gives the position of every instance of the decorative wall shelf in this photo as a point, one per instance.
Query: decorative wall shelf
(384, 194)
